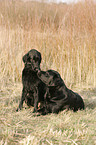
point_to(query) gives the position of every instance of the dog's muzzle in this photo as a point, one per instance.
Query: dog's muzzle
(37, 70)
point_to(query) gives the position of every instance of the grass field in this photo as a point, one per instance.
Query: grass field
(65, 128)
(66, 37)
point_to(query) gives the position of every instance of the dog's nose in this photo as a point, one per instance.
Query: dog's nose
(37, 70)
(39, 73)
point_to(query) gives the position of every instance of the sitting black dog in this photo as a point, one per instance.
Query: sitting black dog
(58, 97)
(33, 88)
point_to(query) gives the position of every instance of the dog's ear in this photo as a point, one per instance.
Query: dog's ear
(25, 58)
(40, 58)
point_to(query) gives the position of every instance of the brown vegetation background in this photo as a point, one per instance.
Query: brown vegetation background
(66, 37)
(64, 34)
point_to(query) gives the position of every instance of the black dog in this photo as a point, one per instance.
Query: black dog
(33, 87)
(58, 97)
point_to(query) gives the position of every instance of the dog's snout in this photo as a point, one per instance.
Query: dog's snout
(39, 73)
(37, 70)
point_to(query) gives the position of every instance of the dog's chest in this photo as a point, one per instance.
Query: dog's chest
(29, 78)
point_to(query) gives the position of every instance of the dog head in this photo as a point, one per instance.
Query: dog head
(51, 78)
(32, 59)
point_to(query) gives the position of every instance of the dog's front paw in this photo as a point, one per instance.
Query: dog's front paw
(18, 109)
(34, 111)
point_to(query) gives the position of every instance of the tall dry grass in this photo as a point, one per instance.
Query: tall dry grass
(64, 34)
(66, 37)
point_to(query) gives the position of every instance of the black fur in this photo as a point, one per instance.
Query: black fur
(33, 87)
(58, 97)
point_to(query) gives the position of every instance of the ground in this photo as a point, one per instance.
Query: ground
(65, 128)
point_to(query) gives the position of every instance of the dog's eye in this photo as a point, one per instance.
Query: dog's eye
(36, 58)
(29, 59)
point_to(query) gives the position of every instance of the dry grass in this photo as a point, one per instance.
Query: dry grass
(64, 34)
(66, 37)
(65, 128)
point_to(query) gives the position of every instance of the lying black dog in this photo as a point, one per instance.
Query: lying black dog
(58, 97)
(33, 87)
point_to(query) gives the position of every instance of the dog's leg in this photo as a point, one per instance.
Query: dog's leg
(36, 100)
(43, 110)
(22, 100)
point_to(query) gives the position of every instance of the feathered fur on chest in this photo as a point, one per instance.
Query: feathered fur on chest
(29, 78)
